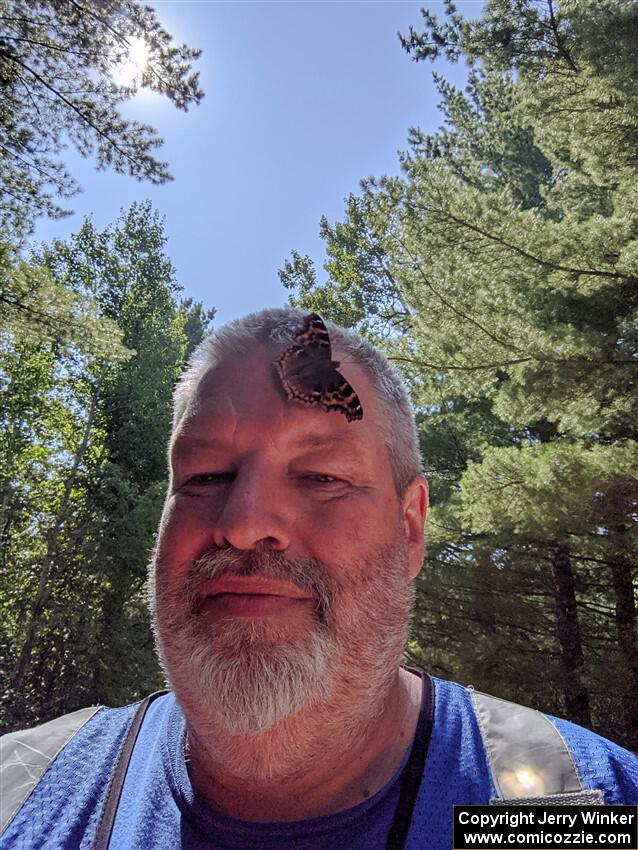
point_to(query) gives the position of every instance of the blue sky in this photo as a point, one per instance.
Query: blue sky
(303, 99)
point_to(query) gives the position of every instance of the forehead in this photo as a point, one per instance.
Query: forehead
(243, 396)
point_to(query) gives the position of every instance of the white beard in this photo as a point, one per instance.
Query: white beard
(248, 680)
(248, 677)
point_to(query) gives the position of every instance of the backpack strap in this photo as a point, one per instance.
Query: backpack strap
(529, 760)
(25, 756)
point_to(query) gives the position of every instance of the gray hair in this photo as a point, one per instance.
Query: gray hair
(281, 325)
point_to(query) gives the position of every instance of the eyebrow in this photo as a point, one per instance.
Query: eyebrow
(318, 441)
(191, 445)
(307, 441)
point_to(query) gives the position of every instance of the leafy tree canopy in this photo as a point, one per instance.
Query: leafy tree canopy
(500, 272)
(83, 430)
(57, 65)
(35, 307)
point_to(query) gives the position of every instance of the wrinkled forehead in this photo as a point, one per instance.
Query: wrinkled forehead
(248, 385)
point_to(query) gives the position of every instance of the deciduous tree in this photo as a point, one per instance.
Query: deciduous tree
(85, 488)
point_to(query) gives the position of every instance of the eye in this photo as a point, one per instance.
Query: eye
(323, 478)
(210, 478)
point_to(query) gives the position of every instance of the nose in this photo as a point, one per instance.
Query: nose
(254, 511)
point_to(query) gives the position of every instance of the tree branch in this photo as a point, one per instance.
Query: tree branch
(75, 109)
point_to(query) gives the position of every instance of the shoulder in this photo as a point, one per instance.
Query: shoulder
(28, 755)
(613, 768)
(32, 750)
(567, 757)
(64, 762)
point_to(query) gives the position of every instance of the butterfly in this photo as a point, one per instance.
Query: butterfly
(309, 374)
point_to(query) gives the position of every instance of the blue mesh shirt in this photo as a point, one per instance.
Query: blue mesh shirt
(159, 807)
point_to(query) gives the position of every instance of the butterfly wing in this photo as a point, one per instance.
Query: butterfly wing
(314, 336)
(309, 375)
(340, 396)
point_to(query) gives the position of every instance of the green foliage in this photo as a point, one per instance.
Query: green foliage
(92, 338)
(83, 473)
(58, 70)
(543, 489)
(34, 307)
(197, 322)
(500, 270)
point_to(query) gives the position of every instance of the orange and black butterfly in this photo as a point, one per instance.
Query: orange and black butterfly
(310, 375)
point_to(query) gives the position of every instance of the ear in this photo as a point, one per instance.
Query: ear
(415, 508)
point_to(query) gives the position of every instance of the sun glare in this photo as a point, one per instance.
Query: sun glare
(131, 68)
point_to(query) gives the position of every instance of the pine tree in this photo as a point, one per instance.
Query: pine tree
(501, 270)
(58, 72)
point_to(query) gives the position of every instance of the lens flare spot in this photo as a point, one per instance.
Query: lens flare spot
(130, 68)
(523, 781)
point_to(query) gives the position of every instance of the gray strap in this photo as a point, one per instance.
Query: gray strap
(25, 755)
(116, 782)
(571, 798)
(528, 758)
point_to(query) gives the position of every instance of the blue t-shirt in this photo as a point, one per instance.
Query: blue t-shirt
(160, 809)
(189, 821)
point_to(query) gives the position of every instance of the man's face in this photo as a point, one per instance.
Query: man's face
(285, 555)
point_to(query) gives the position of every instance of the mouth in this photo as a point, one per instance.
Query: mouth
(252, 596)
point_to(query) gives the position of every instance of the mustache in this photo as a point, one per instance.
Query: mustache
(308, 574)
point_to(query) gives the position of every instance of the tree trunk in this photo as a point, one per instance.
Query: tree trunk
(568, 633)
(617, 513)
(625, 618)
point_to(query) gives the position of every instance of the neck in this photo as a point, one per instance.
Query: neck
(318, 762)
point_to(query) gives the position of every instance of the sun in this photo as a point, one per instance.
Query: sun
(129, 71)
